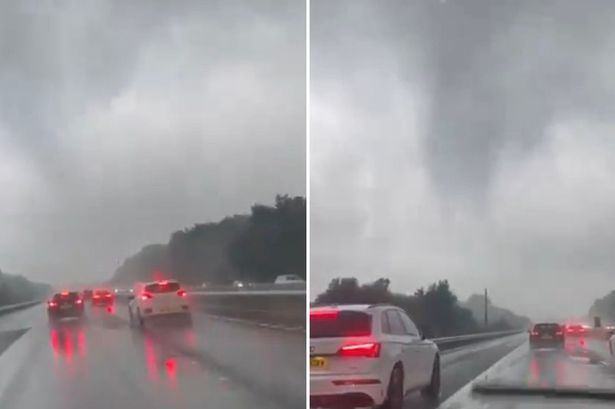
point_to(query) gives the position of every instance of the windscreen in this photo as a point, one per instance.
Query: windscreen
(340, 324)
(159, 288)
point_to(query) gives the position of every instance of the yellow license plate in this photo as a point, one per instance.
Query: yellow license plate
(318, 362)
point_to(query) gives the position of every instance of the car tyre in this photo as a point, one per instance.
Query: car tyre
(140, 320)
(395, 390)
(432, 391)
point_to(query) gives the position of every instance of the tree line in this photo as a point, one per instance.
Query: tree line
(258, 247)
(15, 289)
(435, 308)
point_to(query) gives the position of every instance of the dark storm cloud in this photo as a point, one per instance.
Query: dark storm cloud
(448, 107)
(121, 122)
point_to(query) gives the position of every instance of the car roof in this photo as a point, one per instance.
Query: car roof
(160, 281)
(352, 307)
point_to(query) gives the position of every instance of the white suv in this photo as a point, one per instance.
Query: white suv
(157, 298)
(369, 355)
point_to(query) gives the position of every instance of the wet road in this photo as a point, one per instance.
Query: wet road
(577, 365)
(461, 365)
(104, 363)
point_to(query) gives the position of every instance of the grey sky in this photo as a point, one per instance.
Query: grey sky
(121, 122)
(468, 140)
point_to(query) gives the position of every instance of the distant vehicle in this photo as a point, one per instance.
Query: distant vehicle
(65, 304)
(289, 279)
(87, 294)
(368, 356)
(158, 298)
(238, 284)
(576, 330)
(102, 298)
(546, 334)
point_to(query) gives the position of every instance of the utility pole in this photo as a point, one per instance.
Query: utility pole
(486, 316)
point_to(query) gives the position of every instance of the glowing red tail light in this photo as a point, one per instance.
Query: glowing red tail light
(366, 350)
(78, 301)
(534, 333)
(52, 303)
(146, 296)
(96, 296)
(108, 295)
(181, 293)
(323, 314)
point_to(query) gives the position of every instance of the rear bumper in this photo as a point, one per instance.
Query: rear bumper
(326, 394)
(542, 343)
(150, 311)
(102, 302)
(76, 312)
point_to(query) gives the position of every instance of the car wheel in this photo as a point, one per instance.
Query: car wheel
(395, 391)
(432, 391)
(140, 320)
(131, 318)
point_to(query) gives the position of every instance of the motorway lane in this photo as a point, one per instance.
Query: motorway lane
(461, 365)
(104, 363)
(574, 366)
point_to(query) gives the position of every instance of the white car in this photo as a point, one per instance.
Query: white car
(157, 298)
(289, 279)
(369, 355)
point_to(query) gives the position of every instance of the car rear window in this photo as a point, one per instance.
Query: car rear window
(71, 296)
(156, 288)
(340, 324)
(546, 327)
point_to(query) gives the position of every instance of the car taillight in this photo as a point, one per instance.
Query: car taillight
(366, 350)
(324, 314)
(146, 296)
(52, 303)
(96, 296)
(78, 301)
(181, 293)
(534, 333)
(108, 295)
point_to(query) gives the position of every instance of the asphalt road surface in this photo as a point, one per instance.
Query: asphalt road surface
(580, 364)
(104, 363)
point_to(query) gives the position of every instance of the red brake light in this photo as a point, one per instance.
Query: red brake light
(64, 293)
(164, 282)
(366, 350)
(96, 296)
(108, 295)
(534, 333)
(78, 301)
(181, 293)
(323, 314)
(52, 303)
(146, 296)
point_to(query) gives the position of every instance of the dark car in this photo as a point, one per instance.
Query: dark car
(65, 304)
(102, 297)
(87, 294)
(547, 334)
